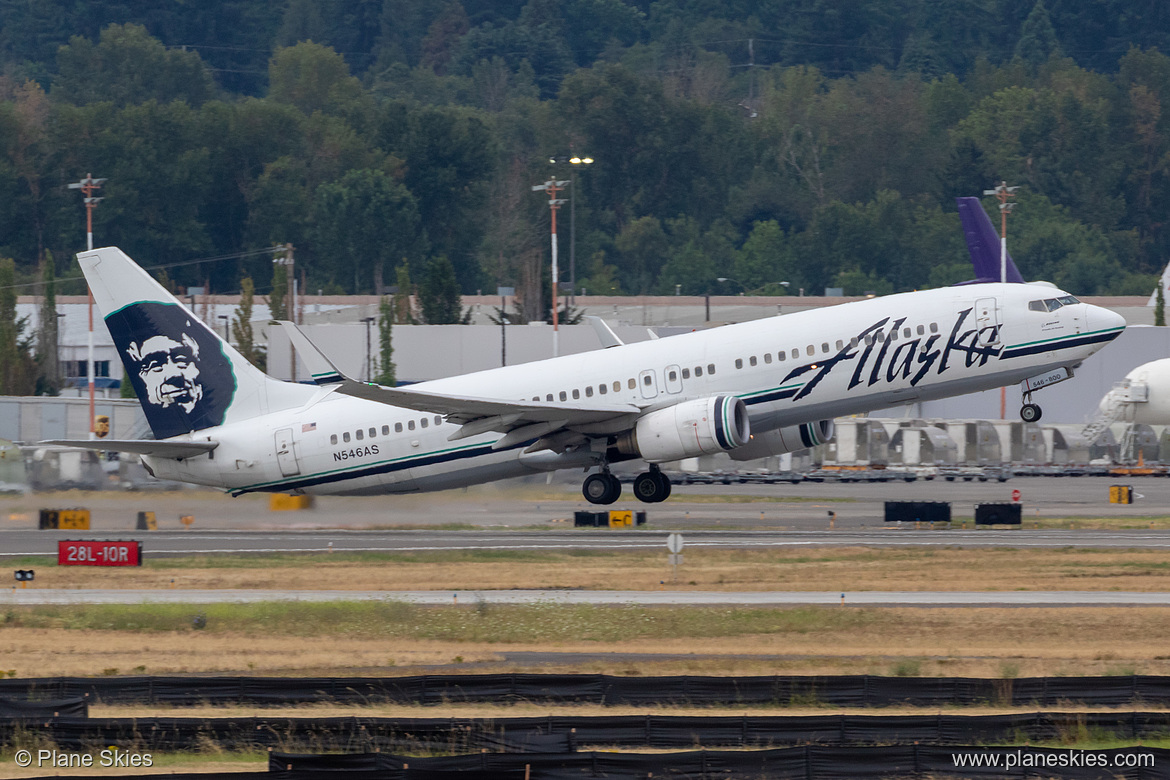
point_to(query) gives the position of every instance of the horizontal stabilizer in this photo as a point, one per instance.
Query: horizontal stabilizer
(176, 450)
(320, 367)
(605, 333)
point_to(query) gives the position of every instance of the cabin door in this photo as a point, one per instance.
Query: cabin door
(286, 454)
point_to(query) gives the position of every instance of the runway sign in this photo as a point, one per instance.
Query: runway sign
(99, 553)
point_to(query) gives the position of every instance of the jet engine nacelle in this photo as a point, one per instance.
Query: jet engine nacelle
(782, 440)
(1144, 394)
(688, 430)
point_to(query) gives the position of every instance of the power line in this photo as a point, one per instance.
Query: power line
(162, 266)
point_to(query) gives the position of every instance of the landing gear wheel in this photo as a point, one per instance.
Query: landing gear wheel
(665, 485)
(1030, 413)
(601, 488)
(651, 487)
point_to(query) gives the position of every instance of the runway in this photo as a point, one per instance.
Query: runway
(525, 507)
(602, 598)
(17, 544)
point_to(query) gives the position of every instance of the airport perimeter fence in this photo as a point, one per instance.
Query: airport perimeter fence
(76, 707)
(799, 763)
(568, 733)
(601, 689)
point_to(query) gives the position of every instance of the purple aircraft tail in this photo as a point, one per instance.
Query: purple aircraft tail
(983, 244)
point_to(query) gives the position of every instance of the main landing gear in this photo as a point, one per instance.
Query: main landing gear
(601, 488)
(604, 488)
(652, 486)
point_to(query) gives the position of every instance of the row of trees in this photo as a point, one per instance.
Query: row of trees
(555, 37)
(416, 145)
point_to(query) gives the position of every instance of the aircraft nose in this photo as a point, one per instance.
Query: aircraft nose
(1102, 319)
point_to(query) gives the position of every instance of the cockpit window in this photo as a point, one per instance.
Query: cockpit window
(1052, 304)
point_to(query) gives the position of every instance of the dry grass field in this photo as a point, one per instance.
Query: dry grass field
(394, 638)
(807, 569)
(339, 639)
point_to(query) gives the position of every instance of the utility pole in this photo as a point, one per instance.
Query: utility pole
(552, 187)
(88, 186)
(1002, 192)
(504, 292)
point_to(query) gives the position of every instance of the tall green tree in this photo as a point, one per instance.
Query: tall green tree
(1037, 36)
(313, 78)
(365, 221)
(242, 326)
(402, 309)
(48, 360)
(278, 297)
(438, 294)
(127, 66)
(385, 375)
(17, 370)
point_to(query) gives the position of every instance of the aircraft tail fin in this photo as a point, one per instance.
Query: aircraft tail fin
(983, 244)
(186, 377)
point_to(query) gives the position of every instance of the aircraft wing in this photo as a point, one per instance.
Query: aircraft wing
(477, 415)
(159, 449)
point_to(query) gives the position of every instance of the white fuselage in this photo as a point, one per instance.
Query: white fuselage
(789, 369)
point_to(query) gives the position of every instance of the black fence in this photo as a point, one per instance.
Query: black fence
(21, 709)
(900, 761)
(567, 734)
(838, 691)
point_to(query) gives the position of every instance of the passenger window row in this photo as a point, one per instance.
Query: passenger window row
(811, 349)
(632, 384)
(361, 434)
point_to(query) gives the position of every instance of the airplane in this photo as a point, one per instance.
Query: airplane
(751, 390)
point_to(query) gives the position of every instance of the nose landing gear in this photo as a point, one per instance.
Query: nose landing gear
(1030, 412)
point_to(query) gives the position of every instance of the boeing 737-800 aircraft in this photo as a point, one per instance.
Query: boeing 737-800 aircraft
(753, 389)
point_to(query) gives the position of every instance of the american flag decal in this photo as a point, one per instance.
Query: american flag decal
(306, 427)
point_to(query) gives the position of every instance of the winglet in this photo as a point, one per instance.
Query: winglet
(320, 367)
(604, 333)
(983, 244)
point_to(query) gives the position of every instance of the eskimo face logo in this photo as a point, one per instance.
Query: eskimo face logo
(175, 365)
(169, 370)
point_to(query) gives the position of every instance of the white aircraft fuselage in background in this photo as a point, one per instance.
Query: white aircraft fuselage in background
(752, 389)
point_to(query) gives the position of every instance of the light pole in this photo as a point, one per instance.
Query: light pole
(552, 187)
(729, 279)
(1002, 192)
(88, 186)
(576, 162)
